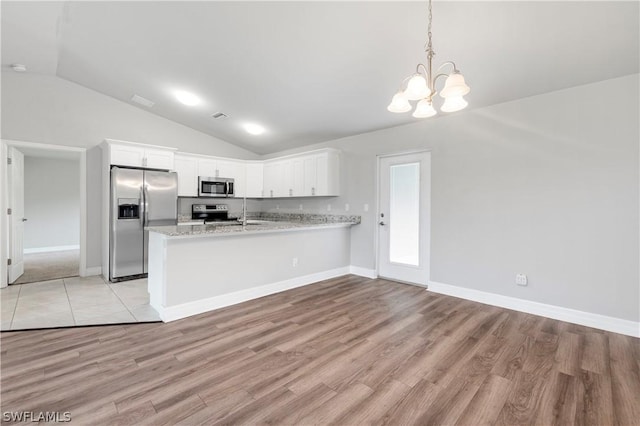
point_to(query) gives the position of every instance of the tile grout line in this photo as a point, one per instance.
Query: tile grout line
(123, 304)
(64, 284)
(15, 307)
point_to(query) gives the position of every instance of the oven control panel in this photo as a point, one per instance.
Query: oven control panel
(209, 207)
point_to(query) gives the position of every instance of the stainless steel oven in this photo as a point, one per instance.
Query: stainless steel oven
(215, 187)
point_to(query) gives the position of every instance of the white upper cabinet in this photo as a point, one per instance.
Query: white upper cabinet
(139, 155)
(274, 179)
(311, 174)
(187, 168)
(254, 179)
(327, 174)
(208, 167)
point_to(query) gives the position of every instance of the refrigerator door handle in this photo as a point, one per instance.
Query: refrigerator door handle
(146, 206)
(142, 213)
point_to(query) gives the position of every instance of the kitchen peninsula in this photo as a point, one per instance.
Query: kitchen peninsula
(198, 268)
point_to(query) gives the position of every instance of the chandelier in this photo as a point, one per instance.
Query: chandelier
(421, 86)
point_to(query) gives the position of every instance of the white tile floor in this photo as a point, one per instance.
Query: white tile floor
(74, 301)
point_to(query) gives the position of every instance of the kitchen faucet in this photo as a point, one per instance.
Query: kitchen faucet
(243, 220)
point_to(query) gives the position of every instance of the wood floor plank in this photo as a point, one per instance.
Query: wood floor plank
(486, 404)
(345, 351)
(595, 399)
(559, 402)
(569, 354)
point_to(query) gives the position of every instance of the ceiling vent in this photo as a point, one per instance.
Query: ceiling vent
(219, 115)
(142, 101)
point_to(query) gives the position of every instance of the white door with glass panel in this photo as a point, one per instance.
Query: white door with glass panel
(404, 217)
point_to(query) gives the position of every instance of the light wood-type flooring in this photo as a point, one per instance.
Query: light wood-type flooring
(346, 351)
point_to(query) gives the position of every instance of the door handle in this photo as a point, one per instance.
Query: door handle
(24, 219)
(146, 206)
(381, 223)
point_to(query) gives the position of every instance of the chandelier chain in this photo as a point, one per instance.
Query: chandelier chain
(429, 48)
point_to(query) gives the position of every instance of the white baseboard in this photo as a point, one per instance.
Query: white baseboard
(89, 272)
(603, 322)
(172, 313)
(363, 272)
(49, 249)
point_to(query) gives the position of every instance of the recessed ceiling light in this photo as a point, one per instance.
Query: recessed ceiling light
(19, 67)
(187, 98)
(254, 129)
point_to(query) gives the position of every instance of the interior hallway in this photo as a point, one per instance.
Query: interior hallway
(50, 266)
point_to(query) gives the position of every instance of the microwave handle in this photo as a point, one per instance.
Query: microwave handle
(228, 188)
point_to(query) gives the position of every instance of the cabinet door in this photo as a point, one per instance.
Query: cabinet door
(298, 177)
(310, 181)
(207, 167)
(327, 174)
(254, 180)
(124, 155)
(273, 174)
(187, 169)
(322, 175)
(158, 159)
(285, 189)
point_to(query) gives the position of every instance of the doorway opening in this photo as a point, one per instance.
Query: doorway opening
(404, 217)
(44, 190)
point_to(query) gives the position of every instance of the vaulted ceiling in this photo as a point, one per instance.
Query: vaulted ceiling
(314, 71)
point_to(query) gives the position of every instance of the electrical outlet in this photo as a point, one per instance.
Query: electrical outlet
(328, 207)
(521, 279)
(294, 262)
(277, 206)
(366, 207)
(346, 207)
(300, 207)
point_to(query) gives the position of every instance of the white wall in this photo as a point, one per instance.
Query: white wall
(51, 202)
(47, 109)
(547, 186)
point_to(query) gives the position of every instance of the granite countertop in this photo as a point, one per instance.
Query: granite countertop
(260, 223)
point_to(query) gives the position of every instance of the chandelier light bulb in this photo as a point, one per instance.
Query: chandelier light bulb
(454, 103)
(399, 103)
(417, 88)
(424, 109)
(454, 85)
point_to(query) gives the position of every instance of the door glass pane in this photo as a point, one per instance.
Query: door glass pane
(404, 214)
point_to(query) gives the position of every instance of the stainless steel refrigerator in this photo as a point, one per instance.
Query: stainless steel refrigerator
(139, 198)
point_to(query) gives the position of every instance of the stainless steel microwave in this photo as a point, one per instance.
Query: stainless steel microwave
(215, 187)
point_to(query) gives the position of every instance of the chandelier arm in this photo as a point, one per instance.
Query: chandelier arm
(444, 64)
(424, 68)
(439, 75)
